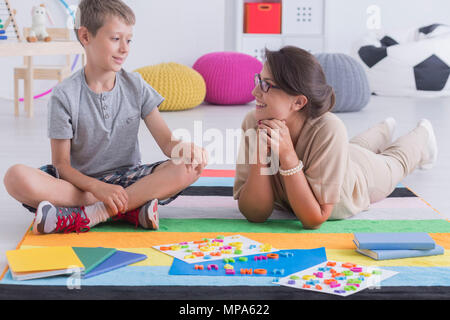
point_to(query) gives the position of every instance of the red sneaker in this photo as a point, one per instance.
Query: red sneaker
(51, 219)
(146, 216)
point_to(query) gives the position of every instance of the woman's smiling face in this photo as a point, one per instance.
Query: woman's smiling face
(275, 103)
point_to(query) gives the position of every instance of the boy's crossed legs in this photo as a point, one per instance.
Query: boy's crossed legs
(157, 181)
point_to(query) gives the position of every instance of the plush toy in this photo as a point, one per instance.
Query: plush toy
(38, 30)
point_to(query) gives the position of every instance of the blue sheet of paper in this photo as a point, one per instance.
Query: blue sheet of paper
(118, 260)
(289, 261)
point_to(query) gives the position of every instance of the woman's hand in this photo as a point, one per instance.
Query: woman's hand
(279, 138)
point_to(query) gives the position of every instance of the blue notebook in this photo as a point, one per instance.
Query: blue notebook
(394, 241)
(399, 254)
(118, 260)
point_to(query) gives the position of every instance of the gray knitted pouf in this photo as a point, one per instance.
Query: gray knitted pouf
(348, 79)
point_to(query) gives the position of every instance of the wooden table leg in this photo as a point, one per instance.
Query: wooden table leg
(28, 88)
(16, 96)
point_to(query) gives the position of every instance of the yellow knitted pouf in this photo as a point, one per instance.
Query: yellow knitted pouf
(182, 87)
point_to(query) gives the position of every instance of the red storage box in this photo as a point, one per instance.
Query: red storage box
(262, 17)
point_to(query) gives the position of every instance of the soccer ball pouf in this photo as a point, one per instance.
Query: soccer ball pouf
(414, 62)
(229, 77)
(182, 87)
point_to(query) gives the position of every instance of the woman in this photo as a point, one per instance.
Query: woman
(321, 174)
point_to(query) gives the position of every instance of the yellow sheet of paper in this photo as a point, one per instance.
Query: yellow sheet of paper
(43, 259)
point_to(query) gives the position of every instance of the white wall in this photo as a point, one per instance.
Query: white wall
(182, 30)
(176, 30)
(166, 30)
(347, 19)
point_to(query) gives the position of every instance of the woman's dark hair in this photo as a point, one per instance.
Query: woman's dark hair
(298, 72)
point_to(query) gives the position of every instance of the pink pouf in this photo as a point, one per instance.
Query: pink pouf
(229, 77)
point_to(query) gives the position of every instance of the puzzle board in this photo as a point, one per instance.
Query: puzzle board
(215, 249)
(337, 278)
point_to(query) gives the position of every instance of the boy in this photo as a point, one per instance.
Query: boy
(93, 124)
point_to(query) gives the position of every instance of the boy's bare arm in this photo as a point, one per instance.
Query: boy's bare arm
(170, 146)
(161, 132)
(61, 160)
(114, 196)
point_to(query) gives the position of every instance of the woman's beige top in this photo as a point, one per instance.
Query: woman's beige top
(324, 149)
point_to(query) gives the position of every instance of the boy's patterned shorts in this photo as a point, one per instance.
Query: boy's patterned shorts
(124, 177)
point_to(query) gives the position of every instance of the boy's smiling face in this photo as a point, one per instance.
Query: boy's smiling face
(110, 47)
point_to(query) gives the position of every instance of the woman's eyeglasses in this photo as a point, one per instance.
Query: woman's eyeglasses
(263, 84)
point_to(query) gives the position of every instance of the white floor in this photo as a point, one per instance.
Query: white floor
(24, 140)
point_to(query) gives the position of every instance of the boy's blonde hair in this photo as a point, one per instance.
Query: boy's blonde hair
(92, 14)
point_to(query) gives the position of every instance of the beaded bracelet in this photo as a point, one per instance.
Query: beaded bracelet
(292, 171)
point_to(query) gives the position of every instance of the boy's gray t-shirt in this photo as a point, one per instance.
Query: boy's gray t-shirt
(103, 128)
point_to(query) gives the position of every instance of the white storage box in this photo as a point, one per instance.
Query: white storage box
(302, 17)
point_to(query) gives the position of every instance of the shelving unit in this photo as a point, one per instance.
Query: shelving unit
(10, 15)
(302, 25)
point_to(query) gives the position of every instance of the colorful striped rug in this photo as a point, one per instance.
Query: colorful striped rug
(207, 209)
